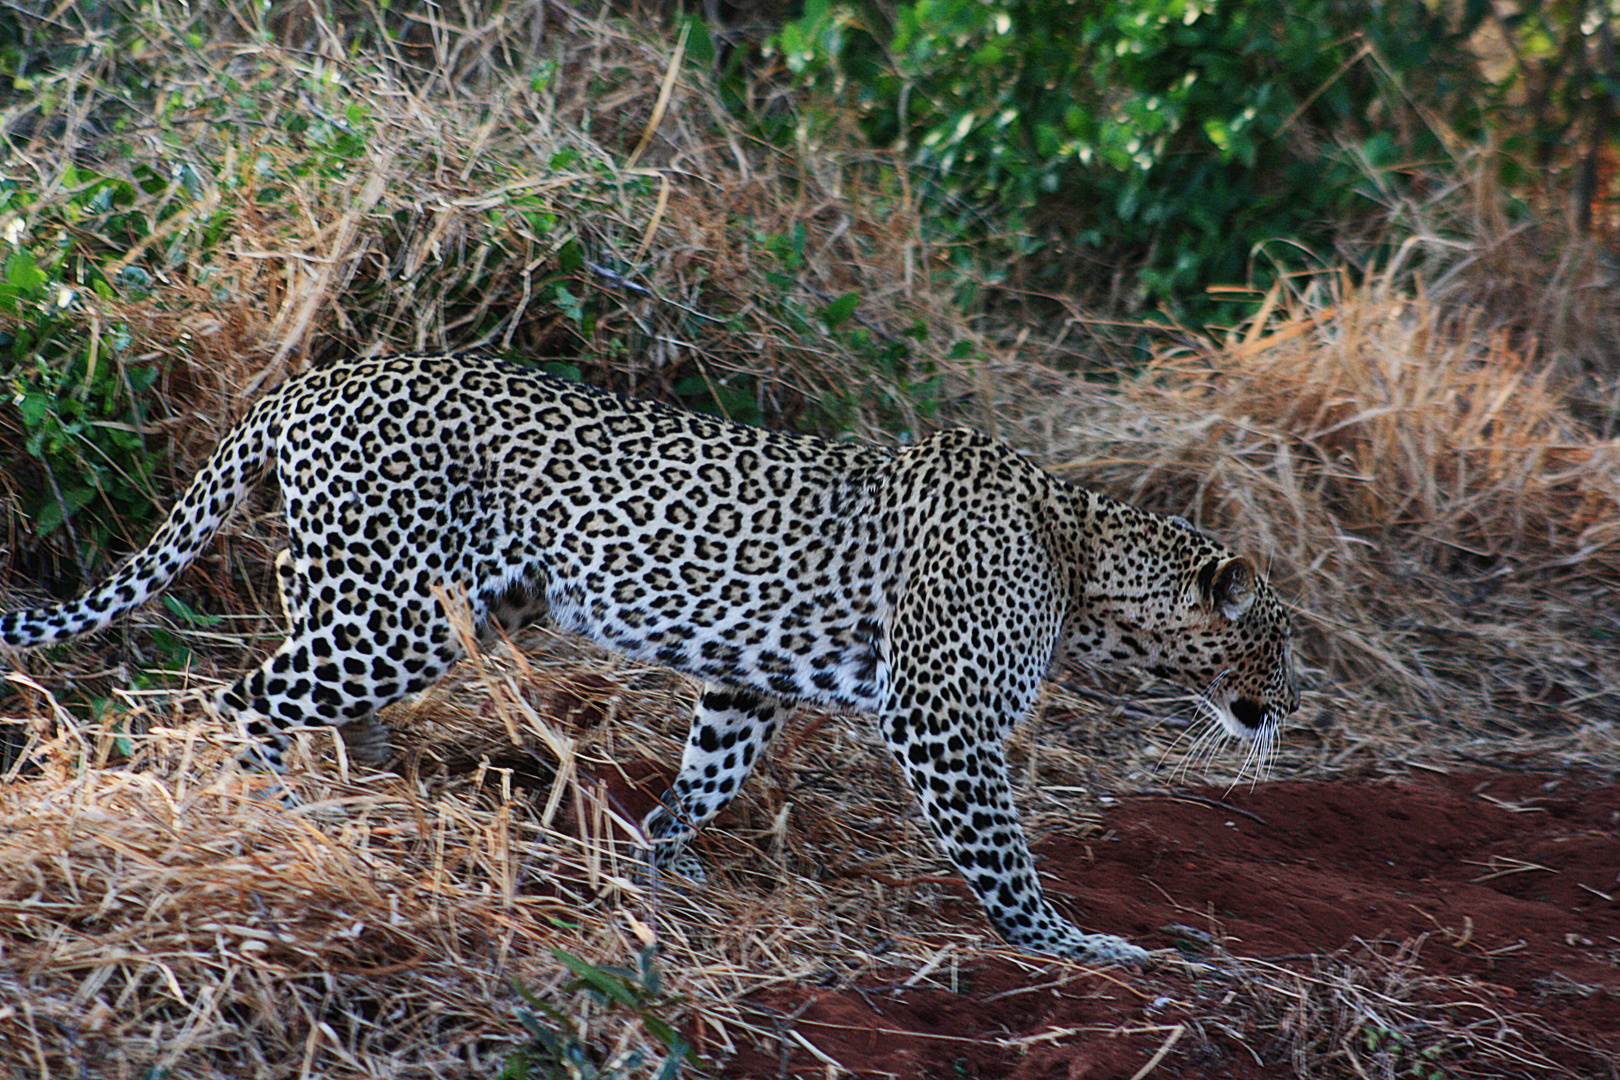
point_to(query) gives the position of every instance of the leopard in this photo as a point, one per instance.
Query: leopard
(932, 585)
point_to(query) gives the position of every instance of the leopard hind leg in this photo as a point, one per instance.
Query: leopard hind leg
(341, 662)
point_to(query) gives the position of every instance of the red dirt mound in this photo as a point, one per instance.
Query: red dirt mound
(1464, 925)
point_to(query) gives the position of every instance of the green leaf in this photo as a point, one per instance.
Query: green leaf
(700, 50)
(604, 982)
(838, 312)
(49, 519)
(190, 615)
(570, 259)
(173, 649)
(24, 274)
(662, 1031)
(571, 306)
(34, 407)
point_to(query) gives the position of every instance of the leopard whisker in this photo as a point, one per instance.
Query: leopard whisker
(1194, 722)
(1253, 762)
(1203, 735)
(1205, 746)
(1209, 745)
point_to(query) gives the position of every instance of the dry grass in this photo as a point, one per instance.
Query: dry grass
(1372, 1010)
(1450, 532)
(1517, 263)
(173, 913)
(1417, 478)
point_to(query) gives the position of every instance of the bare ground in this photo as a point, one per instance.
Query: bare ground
(1485, 899)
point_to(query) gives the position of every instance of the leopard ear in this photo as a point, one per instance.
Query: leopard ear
(1229, 585)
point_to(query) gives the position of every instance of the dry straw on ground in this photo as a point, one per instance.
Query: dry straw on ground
(172, 912)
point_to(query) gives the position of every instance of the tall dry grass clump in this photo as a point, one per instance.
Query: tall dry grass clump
(1519, 261)
(530, 180)
(1418, 485)
(1397, 422)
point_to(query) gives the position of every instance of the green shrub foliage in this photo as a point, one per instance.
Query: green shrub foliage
(1179, 141)
(74, 399)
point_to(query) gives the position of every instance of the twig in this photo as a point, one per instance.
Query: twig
(1153, 1062)
(1178, 795)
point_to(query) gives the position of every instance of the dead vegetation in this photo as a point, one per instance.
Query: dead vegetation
(1423, 478)
(1371, 1011)
(1450, 530)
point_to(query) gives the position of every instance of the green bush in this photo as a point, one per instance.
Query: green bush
(76, 394)
(1173, 140)
(557, 1048)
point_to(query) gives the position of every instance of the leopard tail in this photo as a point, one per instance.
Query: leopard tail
(217, 489)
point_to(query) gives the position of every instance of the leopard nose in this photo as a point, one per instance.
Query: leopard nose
(1248, 712)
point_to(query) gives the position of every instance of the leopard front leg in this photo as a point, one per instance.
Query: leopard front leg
(967, 800)
(730, 729)
(969, 642)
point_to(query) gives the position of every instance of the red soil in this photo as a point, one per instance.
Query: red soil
(1503, 880)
